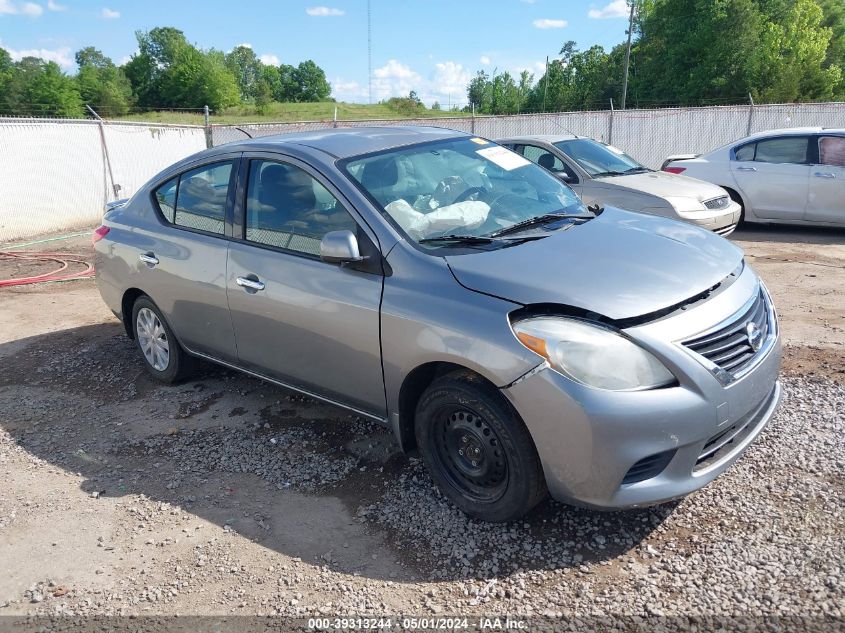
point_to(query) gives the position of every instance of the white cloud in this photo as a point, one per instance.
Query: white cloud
(484, 60)
(616, 9)
(351, 91)
(394, 79)
(450, 80)
(269, 59)
(30, 9)
(109, 14)
(546, 23)
(323, 12)
(124, 60)
(55, 6)
(62, 56)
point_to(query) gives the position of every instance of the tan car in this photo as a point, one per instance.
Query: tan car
(603, 174)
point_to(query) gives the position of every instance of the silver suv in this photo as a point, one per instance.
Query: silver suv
(463, 296)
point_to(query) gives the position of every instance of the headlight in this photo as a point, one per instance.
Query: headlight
(685, 204)
(592, 355)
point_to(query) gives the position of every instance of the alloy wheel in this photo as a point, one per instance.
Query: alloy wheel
(152, 339)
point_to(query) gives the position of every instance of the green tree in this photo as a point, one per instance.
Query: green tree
(311, 82)
(40, 88)
(790, 64)
(288, 90)
(102, 85)
(169, 72)
(246, 68)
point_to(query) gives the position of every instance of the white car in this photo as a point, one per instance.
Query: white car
(604, 174)
(792, 176)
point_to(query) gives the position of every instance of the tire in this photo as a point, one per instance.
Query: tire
(163, 357)
(477, 449)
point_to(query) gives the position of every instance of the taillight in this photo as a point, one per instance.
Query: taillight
(675, 170)
(99, 233)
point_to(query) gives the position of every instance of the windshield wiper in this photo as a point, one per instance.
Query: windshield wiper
(608, 173)
(541, 219)
(637, 170)
(462, 239)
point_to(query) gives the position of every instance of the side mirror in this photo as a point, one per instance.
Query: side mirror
(340, 247)
(565, 177)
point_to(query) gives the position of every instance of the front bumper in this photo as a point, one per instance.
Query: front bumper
(589, 439)
(723, 221)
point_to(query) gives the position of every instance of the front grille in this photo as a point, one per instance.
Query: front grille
(717, 203)
(648, 467)
(730, 347)
(726, 230)
(724, 442)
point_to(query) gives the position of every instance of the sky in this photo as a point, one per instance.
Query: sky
(431, 46)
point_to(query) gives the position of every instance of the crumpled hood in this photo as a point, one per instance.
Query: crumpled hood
(663, 184)
(619, 265)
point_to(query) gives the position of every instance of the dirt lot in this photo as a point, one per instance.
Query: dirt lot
(226, 495)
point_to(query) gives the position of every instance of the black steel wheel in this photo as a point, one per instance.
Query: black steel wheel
(470, 453)
(477, 449)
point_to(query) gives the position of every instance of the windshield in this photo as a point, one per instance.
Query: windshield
(460, 187)
(598, 159)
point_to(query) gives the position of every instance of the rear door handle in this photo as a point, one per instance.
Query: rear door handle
(149, 258)
(824, 174)
(746, 169)
(250, 283)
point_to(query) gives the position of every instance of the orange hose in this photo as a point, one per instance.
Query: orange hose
(63, 259)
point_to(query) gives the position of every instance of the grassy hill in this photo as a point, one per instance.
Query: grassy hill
(280, 112)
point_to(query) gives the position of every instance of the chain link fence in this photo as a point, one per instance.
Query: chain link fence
(647, 135)
(60, 173)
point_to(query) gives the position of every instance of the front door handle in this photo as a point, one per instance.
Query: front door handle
(824, 174)
(746, 169)
(149, 258)
(250, 283)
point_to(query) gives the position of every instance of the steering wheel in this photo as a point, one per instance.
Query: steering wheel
(464, 196)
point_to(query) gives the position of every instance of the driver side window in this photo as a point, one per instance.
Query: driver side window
(546, 159)
(287, 208)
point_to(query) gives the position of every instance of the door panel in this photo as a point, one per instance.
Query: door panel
(314, 325)
(773, 176)
(182, 263)
(827, 183)
(298, 319)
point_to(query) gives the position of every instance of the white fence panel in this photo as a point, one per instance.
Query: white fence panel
(55, 175)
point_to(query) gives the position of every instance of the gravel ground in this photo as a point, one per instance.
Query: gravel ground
(227, 496)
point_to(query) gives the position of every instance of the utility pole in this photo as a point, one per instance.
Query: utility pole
(546, 84)
(628, 55)
(370, 50)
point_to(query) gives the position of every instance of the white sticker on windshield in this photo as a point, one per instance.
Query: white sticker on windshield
(502, 157)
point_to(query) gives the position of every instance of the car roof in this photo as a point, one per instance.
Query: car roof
(794, 131)
(346, 142)
(548, 138)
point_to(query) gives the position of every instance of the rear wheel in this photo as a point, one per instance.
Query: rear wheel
(477, 449)
(163, 357)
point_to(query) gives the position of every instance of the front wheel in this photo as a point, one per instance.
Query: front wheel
(477, 449)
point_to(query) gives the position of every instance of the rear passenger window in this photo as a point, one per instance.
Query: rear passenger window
(789, 149)
(287, 208)
(746, 152)
(832, 150)
(166, 198)
(196, 199)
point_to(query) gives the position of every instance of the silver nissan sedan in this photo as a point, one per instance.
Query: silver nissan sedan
(456, 292)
